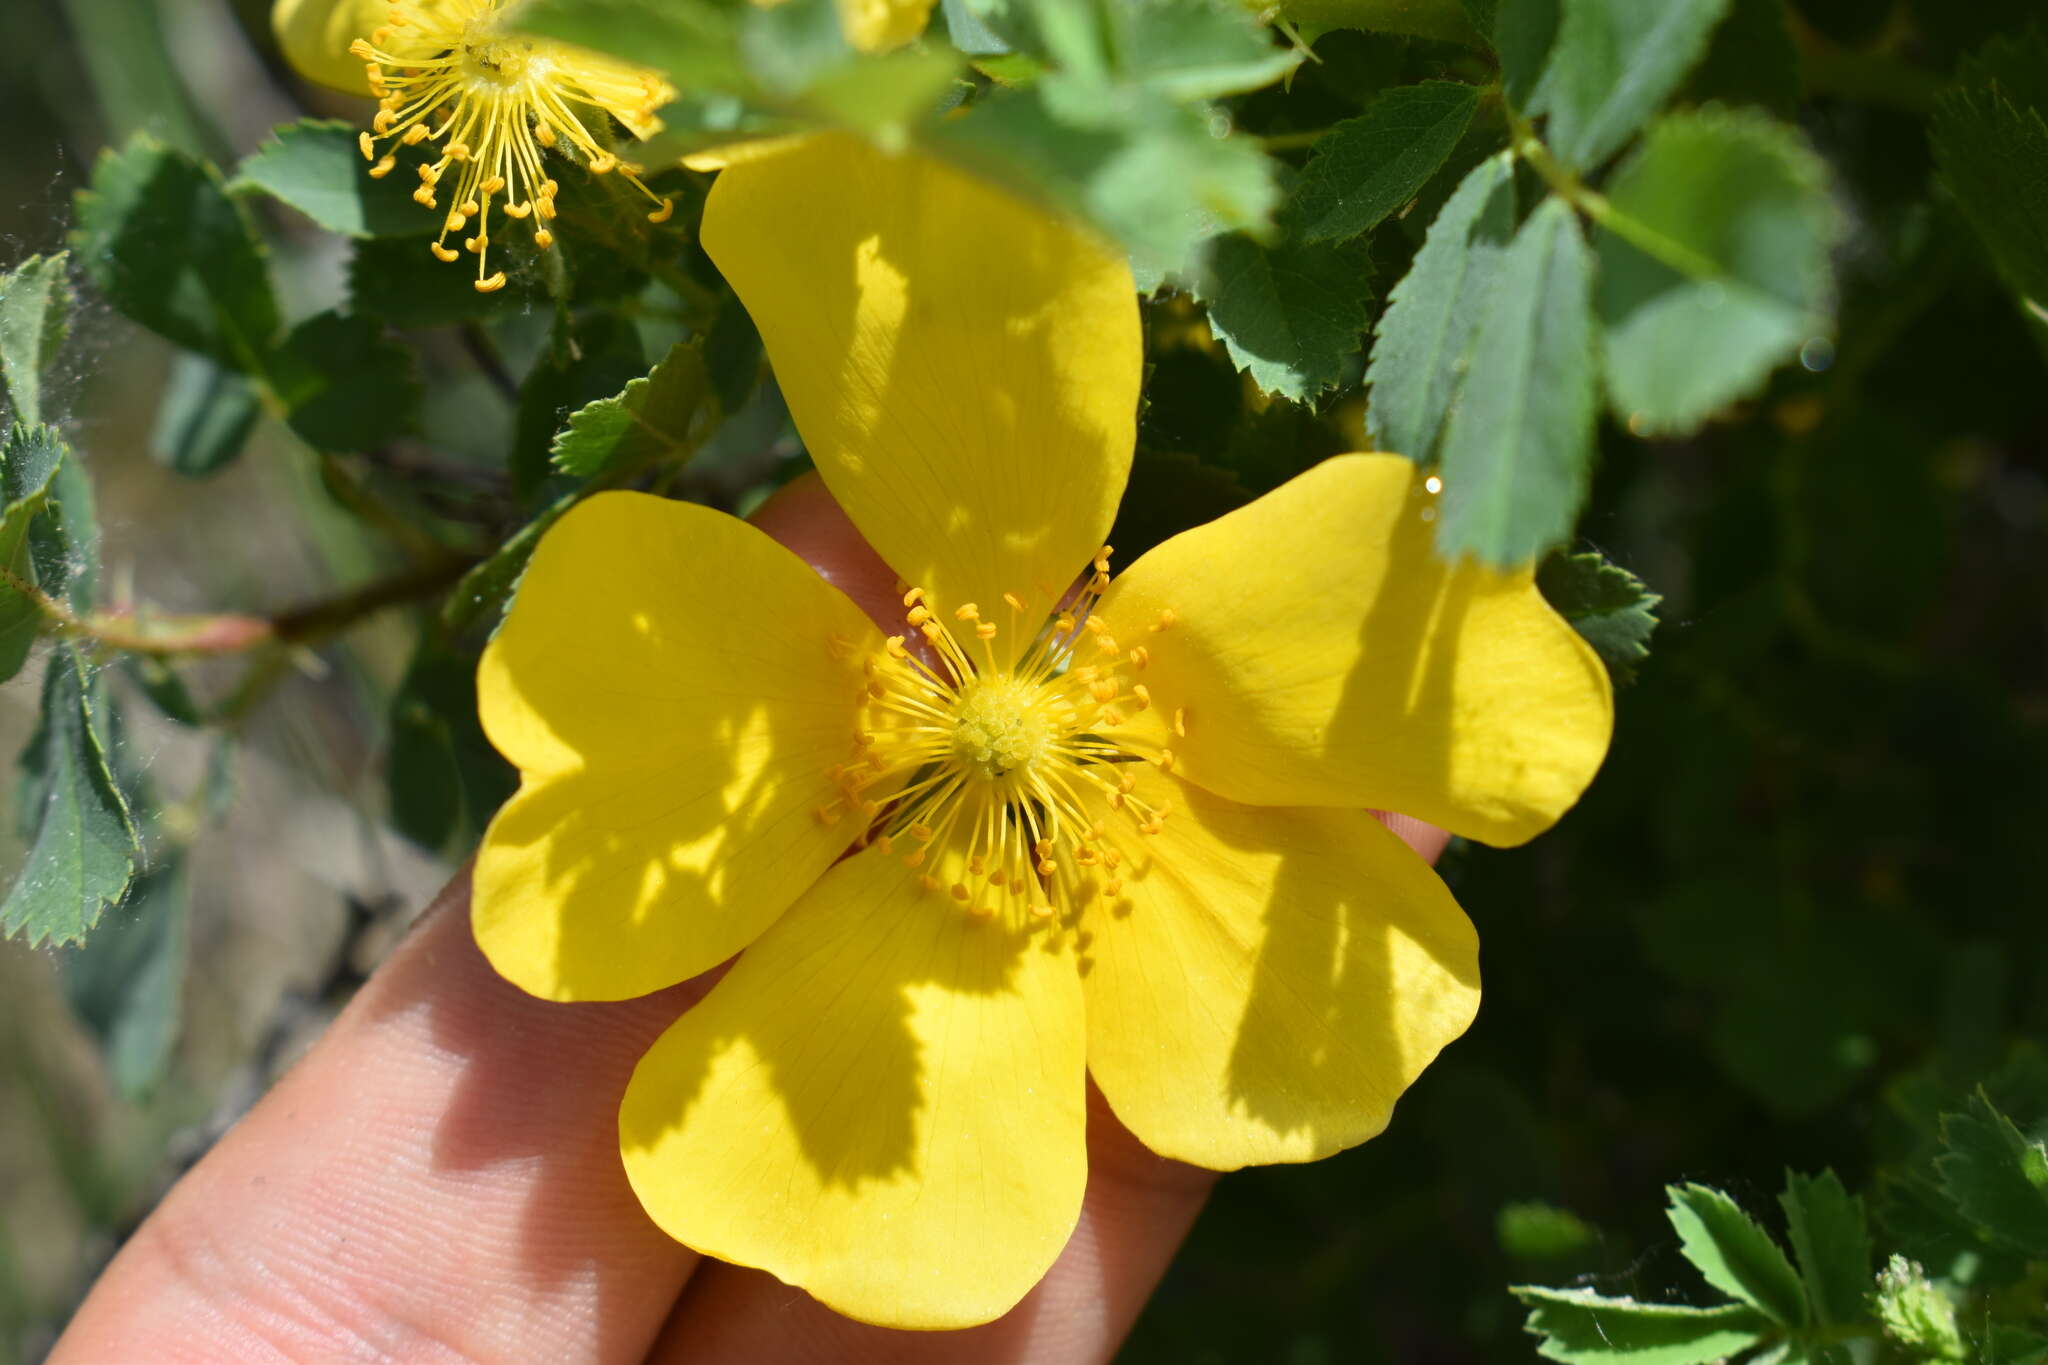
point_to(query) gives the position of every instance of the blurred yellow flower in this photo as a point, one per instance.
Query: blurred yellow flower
(493, 101)
(1091, 826)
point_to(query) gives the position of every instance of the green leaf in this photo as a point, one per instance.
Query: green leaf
(1532, 1230)
(35, 312)
(1735, 1255)
(1916, 1314)
(589, 358)
(1581, 1327)
(1744, 201)
(1444, 20)
(1151, 175)
(1517, 444)
(1366, 167)
(1289, 314)
(1614, 62)
(1523, 34)
(204, 418)
(28, 470)
(444, 778)
(1606, 604)
(694, 42)
(484, 590)
(1996, 1176)
(64, 542)
(1418, 355)
(344, 385)
(1830, 1236)
(401, 282)
(1185, 50)
(1993, 154)
(657, 417)
(160, 238)
(82, 844)
(126, 982)
(316, 166)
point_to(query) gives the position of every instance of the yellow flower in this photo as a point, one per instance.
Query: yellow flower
(1121, 833)
(494, 101)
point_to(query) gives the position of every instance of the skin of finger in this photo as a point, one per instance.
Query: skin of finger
(439, 1177)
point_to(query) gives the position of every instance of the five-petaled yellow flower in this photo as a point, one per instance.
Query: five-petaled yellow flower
(494, 103)
(1090, 826)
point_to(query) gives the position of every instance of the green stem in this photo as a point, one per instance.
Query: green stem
(1596, 206)
(1290, 142)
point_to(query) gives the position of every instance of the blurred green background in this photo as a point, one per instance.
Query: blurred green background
(1799, 912)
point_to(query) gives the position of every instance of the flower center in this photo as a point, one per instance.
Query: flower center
(495, 103)
(1000, 725)
(1003, 765)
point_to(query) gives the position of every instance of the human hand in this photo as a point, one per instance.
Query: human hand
(439, 1179)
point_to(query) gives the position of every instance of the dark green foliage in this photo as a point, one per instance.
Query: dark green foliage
(206, 416)
(35, 315)
(1605, 603)
(1366, 168)
(316, 167)
(1290, 315)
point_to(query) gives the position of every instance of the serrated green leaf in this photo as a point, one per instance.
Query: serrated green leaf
(1612, 64)
(2016, 64)
(1735, 1255)
(589, 358)
(1289, 314)
(1581, 1327)
(1419, 350)
(1523, 33)
(1366, 167)
(1997, 1178)
(401, 282)
(1746, 198)
(656, 417)
(204, 418)
(82, 843)
(125, 983)
(1994, 158)
(317, 167)
(695, 43)
(28, 470)
(485, 589)
(64, 542)
(344, 385)
(1830, 1236)
(35, 314)
(1916, 1314)
(1606, 604)
(1519, 440)
(159, 237)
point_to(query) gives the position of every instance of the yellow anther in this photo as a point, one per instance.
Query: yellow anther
(519, 210)
(1047, 867)
(985, 631)
(921, 832)
(1166, 760)
(837, 645)
(914, 858)
(457, 221)
(424, 195)
(1099, 582)
(1096, 626)
(917, 616)
(1140, 656)
(1104, 689)
(383, 166)
(1016, 602)
(361, 50)
(826, 815)
(999, 879)
(443, 253)
(877, 688)
(604, 163)
(982, 911)
(1180, 721)
(1167, 616)
(1112, 859)
(544, 134)
(1110, 716)
(932, 631)
(928, 883)
(1116, 800)
(1041, 912)
(664, 213)
(894, 644)
(430, 175)
(456, 151)
(543, 239)
(1043, 848)
(1143, 694)
(1106, 644)
(545, 207)
(492, 187)
(1126, 784)
(967, 611)
(1064, 623)
(913, 597)
(415, 135)
(471, 207)
(369, 148)
(491, 284)
(959, 891)
(475, 245)
(885, 843)
(1087, 857)
(1113, 887)
(977, 866)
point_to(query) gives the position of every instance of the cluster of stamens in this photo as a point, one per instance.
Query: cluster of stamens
(495, 103)
(987, 755)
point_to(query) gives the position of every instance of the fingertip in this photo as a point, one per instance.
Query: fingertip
(803, 517)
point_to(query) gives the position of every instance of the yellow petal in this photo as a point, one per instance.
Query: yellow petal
(315, 34)
(963, 367)
(882, 1103)
(669, 686)
(880, 25)
(1324, 655)
(1269, 980)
